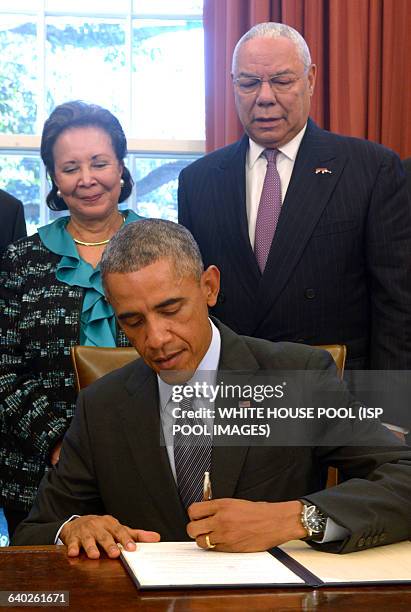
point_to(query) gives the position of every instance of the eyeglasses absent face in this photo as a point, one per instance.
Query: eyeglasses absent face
(165, 315)
(87, 172)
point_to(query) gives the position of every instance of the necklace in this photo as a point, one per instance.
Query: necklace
(92, 244)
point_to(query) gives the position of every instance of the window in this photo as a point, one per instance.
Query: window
(142, 59)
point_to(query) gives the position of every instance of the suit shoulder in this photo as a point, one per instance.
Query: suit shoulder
(213, 159)
(109, 385)
(353, 144)
(10, 200)
(287, 355)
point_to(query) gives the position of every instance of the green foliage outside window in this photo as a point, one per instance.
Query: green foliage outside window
(88, 55)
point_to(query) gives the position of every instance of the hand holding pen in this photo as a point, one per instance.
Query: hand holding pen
(207, 495)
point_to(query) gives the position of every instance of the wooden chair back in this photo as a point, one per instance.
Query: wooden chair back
(92, 362)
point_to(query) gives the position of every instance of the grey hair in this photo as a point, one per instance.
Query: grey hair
(142, 243)
(271, 29)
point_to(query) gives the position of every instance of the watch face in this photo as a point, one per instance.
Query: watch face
(315, 520)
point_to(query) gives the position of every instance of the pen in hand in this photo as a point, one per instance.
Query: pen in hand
(207, 493)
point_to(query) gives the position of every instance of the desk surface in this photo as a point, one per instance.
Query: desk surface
(105, 585)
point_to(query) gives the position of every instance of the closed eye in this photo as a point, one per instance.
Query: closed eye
(130, 322)
(170, 311)
(282, 82)
(248, 83)
(278, 81)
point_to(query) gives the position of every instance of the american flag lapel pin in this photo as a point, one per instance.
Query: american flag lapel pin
(322, 171)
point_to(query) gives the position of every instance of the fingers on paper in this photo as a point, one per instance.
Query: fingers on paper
(93, 533)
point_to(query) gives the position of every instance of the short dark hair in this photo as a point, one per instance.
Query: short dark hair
(74, 114)
(144, 242)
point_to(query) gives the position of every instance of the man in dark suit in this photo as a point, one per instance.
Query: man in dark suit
(118, 472)
(12, 223)
(338, 270)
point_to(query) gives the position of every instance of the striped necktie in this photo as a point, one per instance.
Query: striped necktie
(192, 457)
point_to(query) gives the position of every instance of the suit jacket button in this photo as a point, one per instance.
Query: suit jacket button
(309, 293)
(368, 541)
(360, 542)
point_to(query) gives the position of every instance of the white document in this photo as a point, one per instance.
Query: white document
(172, 564)
(389, 563)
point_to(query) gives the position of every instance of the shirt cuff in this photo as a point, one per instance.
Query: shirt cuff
(57, 539)
(333, 532)
(397, 428)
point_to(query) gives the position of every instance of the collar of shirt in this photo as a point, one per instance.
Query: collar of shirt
(289, 150)
(208, 367)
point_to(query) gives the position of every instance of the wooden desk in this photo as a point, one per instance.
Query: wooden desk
(104, 585)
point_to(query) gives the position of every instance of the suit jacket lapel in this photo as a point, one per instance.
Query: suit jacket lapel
(226, 464)
(142, 428)
(307, 196)
(231, 212)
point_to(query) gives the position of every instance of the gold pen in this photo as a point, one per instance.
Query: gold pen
(207, 493)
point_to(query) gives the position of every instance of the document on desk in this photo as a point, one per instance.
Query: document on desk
(184, 564)
(384, 564)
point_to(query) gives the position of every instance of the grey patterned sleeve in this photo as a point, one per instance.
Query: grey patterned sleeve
(25, 410)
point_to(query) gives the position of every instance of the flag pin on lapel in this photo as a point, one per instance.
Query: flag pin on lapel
(322, 171)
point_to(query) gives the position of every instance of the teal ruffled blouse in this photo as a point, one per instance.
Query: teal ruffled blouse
(97, 320)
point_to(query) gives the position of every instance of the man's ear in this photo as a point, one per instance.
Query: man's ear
(210, 284)
(312, 74)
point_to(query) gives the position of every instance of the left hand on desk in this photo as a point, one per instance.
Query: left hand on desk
(237, 525)
(91, 531)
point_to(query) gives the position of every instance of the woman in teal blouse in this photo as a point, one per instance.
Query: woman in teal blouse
(51, 296)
